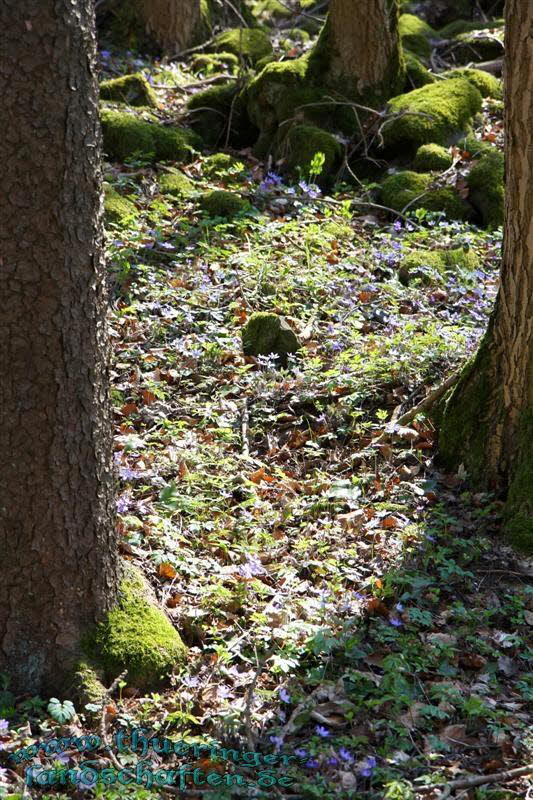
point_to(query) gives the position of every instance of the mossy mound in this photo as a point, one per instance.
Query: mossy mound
(126, 135)
(131, 89)
(418, 264)
(414, 190)
(487, 85)
(478, 46)
(416, 74)
(86, 683)
(137, 636)
(415, 34)
(435, 113)
(459, 26)
(486, 184)
(220, 164)
(117, 209)
(213, 109)
(476, 147)
(432, 157)
(249, 44)
(175, 184)
(301, 145)
(211, 63)
(220, 203)
(266, 333)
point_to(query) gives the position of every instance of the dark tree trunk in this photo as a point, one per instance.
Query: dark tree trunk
(488, 420)
(173, 24)
(58, 560)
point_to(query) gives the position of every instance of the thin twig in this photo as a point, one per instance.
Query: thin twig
(478, 780)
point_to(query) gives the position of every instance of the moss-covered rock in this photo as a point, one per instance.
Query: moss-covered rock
(435, 113)
(303, 142)
(220, 203)
(267, 333)
(416, 74)
(458, 26)
(486, 184)
(250, 44)
(221, 164)
(414, 190)
(487, 85)
(131, 89)
(415, 34)
(175, 184)
(418, 265)
(117, 209)
(137, 636)
(86, 683)
(211, 63)
(126, 135)
(475, 147)
(478, 45)
(432, 157)
(211, 110)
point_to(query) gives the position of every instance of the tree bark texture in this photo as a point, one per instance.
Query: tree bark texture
(58, 559)
(173, 24)
(488, 420)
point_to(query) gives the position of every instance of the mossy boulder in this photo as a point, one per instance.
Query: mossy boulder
(266, 333)
(486, 184)
(475, 147)
(436, 113)
(432, 157)
(127, 135)
(86, 683)
(117, 209)
(411, 190)
(211, 63)
(131, 89)
(416, 74)
(479, 45)
(487, 85)
(422, 266)
(220, 203)
(137, 635)
(250, 44)
(175, 184)
(303, 142)
(222, 165)
(415, 34)
(213, 109)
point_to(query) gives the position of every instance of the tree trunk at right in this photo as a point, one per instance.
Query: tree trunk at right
(488, 419)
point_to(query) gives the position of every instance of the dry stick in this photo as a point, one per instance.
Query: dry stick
(479, 780)
(245, 429)
(103, 727)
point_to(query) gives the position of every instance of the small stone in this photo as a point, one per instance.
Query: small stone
(266, 333)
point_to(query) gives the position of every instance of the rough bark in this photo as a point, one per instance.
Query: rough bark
(360, 48)
(488, 420)
(58, 561)
(173, 24)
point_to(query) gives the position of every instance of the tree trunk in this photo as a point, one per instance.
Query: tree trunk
(58, 558)
(173, 24)
(360, 49)
(488, 420)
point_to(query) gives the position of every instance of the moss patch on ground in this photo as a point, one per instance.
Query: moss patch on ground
(434, 113)
(220, 203)
(175, 184)
(430, 157)
(414, 190)
(118, 210)
(250, 44)
(137, 636)
(131, 89)
(303, 142)
(422, 266)
(486, 184)
(127, 135)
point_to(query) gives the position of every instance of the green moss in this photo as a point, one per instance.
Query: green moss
(459, 26)
(211, 63)
(126, 135)
(220, 164)
(487, 85)
(414, 189)
(137, 636)
(175, 184)
(416, 74)
(475, 46)
(131, 89)
(434, 113)
(86, 684)
(486, 184)
(431, 157)
(118, 210)
(250, 44)
(266, 333)
(441, 260)
(220, 203)
(212, 109)
(518, 524)
(476, 147)
(304, 141)
(415, 34)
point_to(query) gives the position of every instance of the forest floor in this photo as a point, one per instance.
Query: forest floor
(342, 598)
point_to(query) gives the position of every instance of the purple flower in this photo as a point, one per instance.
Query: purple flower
(311, 763)
(126, 472)
(301, 752)
(397, 225)
(270, 181)
(284, 696)
(166, 246)
(321, 731)
(369, 767)
(190, 680)
(105, 54)
(276, 740)
(332, 761)
(123, 503)
(399, 607)
(4, 725)
(304, 186)
(345, 754)
(63, 758)
(396, 622)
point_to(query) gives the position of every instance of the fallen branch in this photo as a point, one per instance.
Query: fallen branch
(478, 780)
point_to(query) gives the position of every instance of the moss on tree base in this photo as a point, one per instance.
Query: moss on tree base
(127, 135)
(137, 636)
(131, 89)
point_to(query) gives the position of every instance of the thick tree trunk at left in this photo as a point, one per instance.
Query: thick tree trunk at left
(488, 420)
(58, 561)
